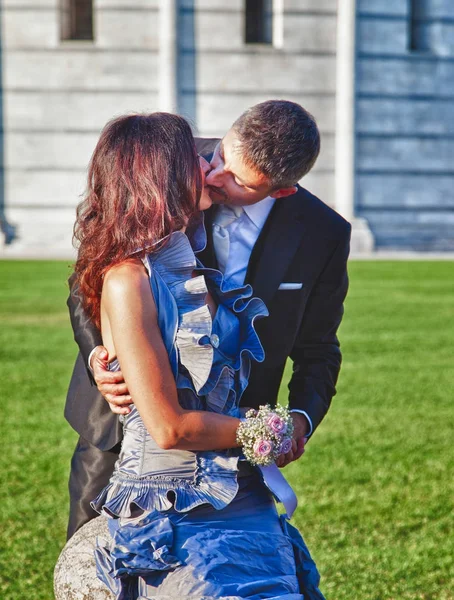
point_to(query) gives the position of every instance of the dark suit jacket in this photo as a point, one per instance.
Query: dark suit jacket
(303, 241)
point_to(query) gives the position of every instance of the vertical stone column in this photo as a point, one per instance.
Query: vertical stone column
(167, 80)
(362, 239)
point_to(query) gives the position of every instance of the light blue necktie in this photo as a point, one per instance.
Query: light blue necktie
(225, 216)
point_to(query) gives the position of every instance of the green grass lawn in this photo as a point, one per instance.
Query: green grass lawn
(375, 485)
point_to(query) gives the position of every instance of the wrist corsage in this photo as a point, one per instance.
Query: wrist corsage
(265, 434)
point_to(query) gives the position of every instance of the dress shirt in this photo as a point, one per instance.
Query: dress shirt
(243, 233)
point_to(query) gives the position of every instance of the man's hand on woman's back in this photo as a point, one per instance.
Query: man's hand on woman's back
(111, 384)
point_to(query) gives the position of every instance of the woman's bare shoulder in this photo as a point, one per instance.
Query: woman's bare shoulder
(126, 278)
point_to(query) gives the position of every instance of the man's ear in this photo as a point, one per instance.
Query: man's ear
(283, 192)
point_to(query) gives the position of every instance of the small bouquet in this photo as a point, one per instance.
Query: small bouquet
(265, 434)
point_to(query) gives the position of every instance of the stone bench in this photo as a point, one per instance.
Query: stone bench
(75, 572)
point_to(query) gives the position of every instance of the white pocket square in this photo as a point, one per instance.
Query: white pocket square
(290, 286)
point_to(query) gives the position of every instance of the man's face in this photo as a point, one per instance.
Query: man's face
(231, 181)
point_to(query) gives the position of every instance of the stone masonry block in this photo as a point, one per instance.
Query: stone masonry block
(30, 28)
(405, 76)
(127, 29)
(405, 154)
(54, 188)
(383, 7)
(57, 150)
(382, 36)
(83, 68)
(405, 191)
(82, 111)
(403, 117)
(271, 71)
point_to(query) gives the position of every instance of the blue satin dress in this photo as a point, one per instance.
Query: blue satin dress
(198, 525)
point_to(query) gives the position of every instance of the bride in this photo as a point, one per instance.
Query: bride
(189, 517)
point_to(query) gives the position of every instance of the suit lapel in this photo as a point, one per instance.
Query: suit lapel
(283, 233)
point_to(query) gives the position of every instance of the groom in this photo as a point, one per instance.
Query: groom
(264, 230)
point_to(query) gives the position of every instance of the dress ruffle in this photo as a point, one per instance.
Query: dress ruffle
(138, 548)
(149, 546)
(198, 334)
(215, 483)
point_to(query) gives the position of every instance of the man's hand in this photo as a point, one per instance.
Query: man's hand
(110, 383)
(301, 429)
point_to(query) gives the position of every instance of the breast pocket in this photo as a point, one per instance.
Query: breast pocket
(290, 286)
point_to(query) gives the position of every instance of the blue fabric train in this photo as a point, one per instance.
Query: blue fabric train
(198, 525)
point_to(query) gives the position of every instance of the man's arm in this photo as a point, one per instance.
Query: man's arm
(316, 354)
(86, 334)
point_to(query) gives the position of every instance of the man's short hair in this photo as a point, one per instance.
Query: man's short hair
(279, 139)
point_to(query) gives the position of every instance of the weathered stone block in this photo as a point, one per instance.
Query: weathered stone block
(440, 38)
(127, 28)
(30, 28)
(80, 67)
(405, 76)
(20, 4)
(311, 5)
(400, 155)
(225, 31)
(273, 72)
(211, 30)
(81, 110)
(54, 188)
(232, 5)
(75, 572)
(440, 8)
(382, 36)
(57, 150)
(403, 116)
(412, 230)
(310, 32)
(383, 7)
(405, 191)
(115, 4)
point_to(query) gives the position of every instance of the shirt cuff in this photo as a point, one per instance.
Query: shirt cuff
(309, 420)
(89, 360)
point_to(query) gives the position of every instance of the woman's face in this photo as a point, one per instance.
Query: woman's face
(205, 200)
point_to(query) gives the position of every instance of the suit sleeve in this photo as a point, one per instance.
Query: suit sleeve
(316, 354)
(86, 334)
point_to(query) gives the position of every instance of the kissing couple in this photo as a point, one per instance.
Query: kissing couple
(202, 266)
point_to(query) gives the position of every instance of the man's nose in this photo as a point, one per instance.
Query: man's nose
(204, 165)
(214, 177)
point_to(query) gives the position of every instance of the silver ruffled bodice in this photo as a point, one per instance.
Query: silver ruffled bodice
(211, 363)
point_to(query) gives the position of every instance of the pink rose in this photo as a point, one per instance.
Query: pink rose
(263, 447)
(276, 424)
(286, 446)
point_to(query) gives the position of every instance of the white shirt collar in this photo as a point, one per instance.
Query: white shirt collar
(258, 212)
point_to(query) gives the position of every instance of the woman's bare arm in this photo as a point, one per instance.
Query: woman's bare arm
(130, 318)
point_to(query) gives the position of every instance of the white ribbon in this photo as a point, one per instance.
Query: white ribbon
(280, 487)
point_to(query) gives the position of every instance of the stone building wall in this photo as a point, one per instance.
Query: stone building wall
(405, 124)
(220, 76)
(58, 95)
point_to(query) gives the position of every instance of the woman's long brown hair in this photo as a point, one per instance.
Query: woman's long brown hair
(144, 182)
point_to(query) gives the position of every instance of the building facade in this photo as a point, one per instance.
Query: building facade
(70, 65)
